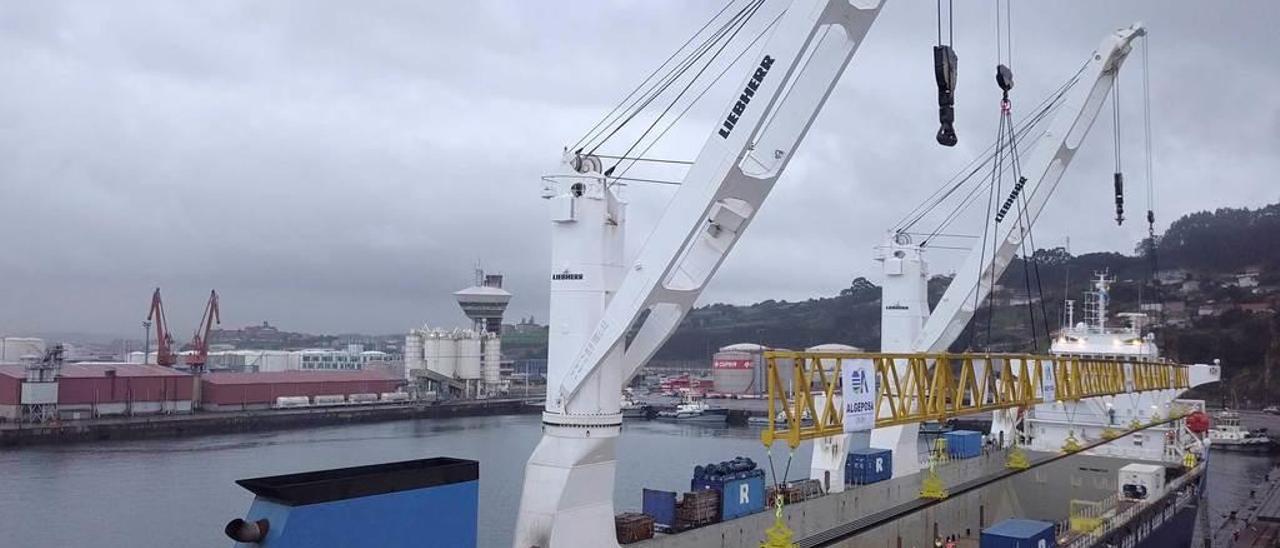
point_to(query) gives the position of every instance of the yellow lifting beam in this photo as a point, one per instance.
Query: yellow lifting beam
(912, 388)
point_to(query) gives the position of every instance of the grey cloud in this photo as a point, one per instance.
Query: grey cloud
(336, 166)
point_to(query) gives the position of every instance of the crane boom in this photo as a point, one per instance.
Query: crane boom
(596, 301)
(200, 340)
(733, 174)
(164, 341)
(1046, 163)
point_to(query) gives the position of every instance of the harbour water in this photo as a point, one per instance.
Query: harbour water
(181, 492)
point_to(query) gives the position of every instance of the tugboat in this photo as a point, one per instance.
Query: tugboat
(632, 409)
(693, 410)
(1228, 435)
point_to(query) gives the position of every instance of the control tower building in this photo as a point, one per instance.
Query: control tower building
(485, 302)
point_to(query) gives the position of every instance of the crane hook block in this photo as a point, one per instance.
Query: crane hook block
(1119, 198)
(1004, 78)
(944, 71)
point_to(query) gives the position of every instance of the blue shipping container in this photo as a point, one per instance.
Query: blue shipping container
(739, 496)
(964, 444)
(1019, 533)
(870, 465)
(661, 506)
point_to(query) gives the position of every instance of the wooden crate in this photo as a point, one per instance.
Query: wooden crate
(633, 527)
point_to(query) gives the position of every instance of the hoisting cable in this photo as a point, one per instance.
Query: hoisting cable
(1153, 259)
(591, 133)
(640, 157)
(728, 29)
(755, 6)
(637, 102)
(1115, 123)
(944, 74)
(963, 177)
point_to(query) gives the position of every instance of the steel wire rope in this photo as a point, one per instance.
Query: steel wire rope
(1051, 101)
(668, 76)
(735, 22)
(704, 91)
(692, 80)
(587, 137)
(973, 193)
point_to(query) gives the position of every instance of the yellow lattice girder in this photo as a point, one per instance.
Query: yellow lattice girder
(913, 388)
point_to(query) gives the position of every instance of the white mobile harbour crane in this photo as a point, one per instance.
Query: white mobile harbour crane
(608, 318)
(907, 324)
(567, 500)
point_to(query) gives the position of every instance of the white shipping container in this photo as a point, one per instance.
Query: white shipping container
(395, 396)
(362, 398)
(1141, 482)
(283, 402)
(331, 399)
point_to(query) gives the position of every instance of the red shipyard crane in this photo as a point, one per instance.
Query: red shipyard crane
(200, 340)
(164, 341)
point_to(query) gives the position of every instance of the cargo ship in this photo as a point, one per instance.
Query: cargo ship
(1087, 484)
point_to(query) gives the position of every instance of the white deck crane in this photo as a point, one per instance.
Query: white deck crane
(907, 326)
(596, 301)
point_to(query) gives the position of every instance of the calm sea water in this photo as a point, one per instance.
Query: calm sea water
(178, 493)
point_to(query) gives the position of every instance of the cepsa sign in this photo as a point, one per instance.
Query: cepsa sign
(731, 364)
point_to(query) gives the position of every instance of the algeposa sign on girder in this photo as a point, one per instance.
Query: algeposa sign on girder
(858, 385)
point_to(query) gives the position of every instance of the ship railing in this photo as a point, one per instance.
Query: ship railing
(1113, 520)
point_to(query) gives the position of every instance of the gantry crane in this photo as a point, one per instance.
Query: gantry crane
(597, 302)
(200, 340)
(164, 341)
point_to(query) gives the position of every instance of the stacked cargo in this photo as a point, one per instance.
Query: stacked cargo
(727, 490)
(739, 482)
(963, 444)
(697, 508)
(1019, 533)
(633, 527)
(661, 506)
(870, 465)
(795, 491)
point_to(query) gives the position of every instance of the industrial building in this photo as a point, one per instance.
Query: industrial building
(465, 362)
(312, 359)
(87, 390)
(246, 391)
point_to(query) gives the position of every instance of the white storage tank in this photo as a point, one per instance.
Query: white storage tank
(414, 357)
(492, 359)
(734, 372)
(829, 365)
(447, 353)
(470, 356)
(740, 369)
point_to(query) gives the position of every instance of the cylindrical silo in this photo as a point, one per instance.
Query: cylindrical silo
(414, 358)
(448, 353)
(470, 356)
(492, 359)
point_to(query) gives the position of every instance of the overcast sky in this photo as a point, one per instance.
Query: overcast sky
(341, 166)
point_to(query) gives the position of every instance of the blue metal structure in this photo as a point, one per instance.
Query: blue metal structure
(426, 502)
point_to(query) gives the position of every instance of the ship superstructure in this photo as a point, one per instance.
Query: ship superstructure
(1050, 426)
